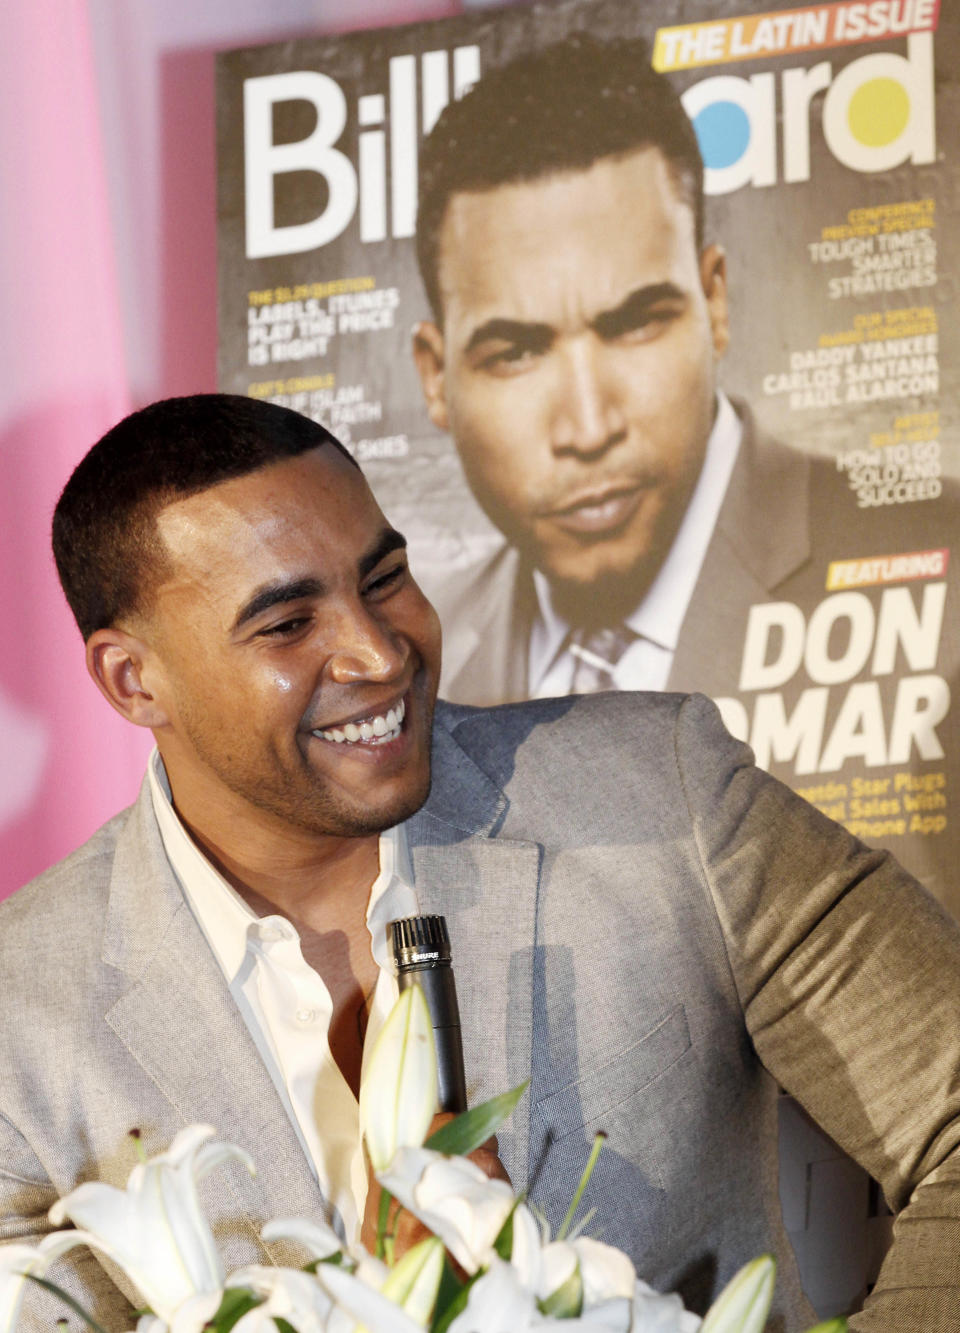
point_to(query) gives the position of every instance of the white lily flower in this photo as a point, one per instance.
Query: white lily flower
(607, 1272)
(656, 1313)
(15, 1262)
(415, 1280)
(398, 1095)
(604, 1274)
(743, 1304)
(609, 1317)
(499, 1302)
(454, 1198)
(149, 1323)
(358, 1303)
(528, 1246)
(317, 1237)
(287, 1294)
(559, 1280)
(154, 1229)
(191, 1317)
(322, 1242)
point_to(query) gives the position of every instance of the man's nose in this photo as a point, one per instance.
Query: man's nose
(366, 649)
(587, 417)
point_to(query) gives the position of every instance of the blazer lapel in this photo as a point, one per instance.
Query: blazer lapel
(486, 887)
(485, 658)
(762, 536)
(208, 1068)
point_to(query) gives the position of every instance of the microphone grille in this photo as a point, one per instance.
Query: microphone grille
(420, 932)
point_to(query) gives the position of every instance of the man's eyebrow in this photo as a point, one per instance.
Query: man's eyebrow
(532, 336)
(537, 337)
(634, 308)
(389, 540)
(292, 590)
(275, 594)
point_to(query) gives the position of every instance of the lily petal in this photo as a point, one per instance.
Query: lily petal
(287, 1294)
(743, 1304)
(15, 1262)
(454, 1198)
(607, 1273)
(365, 1305)
(655, 1313)
(498, 1302)
(559, 1269)
(414, 1282)
(398, 1096)
(319, 1238)
(527, 1250)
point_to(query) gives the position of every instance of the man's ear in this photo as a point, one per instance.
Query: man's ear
(119, 665)
(428, 355)
(713, 279)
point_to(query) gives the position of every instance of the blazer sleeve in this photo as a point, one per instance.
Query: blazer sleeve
(26, 1196)
(848, 973)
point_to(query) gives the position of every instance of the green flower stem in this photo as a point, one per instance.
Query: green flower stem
(383, 1214)
(598, 1142)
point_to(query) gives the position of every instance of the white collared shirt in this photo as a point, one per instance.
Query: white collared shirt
(646, 663)
(285, 1004)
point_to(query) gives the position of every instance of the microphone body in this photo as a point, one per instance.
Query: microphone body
(421, 952)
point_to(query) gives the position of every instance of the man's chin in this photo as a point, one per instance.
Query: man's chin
(362, 823)
(606, 597)
(402, 811)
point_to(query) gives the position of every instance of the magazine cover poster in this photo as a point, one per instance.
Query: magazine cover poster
(537, 409)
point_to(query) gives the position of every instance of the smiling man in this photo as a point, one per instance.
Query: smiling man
(653, 934)
(287, 667)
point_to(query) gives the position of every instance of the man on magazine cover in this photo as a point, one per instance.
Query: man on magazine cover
(579, 318)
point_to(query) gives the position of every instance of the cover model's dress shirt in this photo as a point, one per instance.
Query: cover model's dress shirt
(645, 665)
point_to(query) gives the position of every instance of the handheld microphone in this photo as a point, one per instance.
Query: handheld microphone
(421, 953)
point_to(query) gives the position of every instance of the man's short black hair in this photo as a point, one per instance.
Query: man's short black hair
(104, 526)
(559, 109)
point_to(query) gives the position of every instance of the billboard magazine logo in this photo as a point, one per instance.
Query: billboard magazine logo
(349, 185)
(877, 113)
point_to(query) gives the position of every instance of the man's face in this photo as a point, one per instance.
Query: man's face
(292, 652)
(576, 365)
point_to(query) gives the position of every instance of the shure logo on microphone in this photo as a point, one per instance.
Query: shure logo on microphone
(423, 957)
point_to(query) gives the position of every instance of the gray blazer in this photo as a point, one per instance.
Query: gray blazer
(784, 518)
(644, 924)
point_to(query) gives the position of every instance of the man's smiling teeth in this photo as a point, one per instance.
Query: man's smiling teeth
(373, 730)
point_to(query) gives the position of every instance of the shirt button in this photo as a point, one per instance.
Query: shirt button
(270, 934)
(306, 1015)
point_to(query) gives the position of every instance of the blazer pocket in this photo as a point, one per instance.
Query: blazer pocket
(605, 1092)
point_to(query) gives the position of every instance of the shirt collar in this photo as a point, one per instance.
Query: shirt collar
(228, 922)
(659, 615)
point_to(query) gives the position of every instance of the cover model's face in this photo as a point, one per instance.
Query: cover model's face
(288, 617)
(576, 365)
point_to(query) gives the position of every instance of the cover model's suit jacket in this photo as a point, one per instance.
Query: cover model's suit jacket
(640, 917)
(785, 517)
